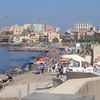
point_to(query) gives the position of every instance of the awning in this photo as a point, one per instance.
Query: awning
(74, 57)
(65, 60)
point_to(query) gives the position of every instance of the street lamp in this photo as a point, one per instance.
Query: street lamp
(92, 54)
(92, 50)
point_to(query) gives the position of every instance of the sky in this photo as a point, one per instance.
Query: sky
(62, 13)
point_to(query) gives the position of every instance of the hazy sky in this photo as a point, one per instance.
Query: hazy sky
(63, 13)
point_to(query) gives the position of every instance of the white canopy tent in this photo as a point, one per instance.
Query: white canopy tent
(75, 57)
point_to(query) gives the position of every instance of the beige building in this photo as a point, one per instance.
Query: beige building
(33, 37)
(53, 35)
(25, 26)
(96, 51)
(16, 29)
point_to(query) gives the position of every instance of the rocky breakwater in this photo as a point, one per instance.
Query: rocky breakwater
(4, 80)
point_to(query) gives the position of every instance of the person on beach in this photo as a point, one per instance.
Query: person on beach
(42, 67)
(53, 68)
(65, 72)
(60, 72)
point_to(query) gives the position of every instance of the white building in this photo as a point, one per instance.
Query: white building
(57, 29)
(83, 30)
(26, 26)
(79, 27)
(83, 27)
(39, 28)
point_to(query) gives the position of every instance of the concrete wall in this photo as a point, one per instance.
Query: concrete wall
(72, 75)
(48, 96)
(81, 87)
(90, 88)
(14, 98)
(96, 51)
(78, 75)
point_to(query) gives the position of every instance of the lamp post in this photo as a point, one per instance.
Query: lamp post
(92, 54)
(92, 51)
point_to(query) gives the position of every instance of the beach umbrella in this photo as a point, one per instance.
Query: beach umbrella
(57, 56)
(38, 62)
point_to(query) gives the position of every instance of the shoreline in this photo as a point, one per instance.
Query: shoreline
(26, 48)
(29, 59)
(23, 47)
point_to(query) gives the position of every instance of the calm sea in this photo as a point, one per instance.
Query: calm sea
(12, 59)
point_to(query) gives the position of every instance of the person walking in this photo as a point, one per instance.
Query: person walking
(60, 72)
(65, 72)
(42, 67)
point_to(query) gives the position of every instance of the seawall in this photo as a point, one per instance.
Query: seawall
(81, 87)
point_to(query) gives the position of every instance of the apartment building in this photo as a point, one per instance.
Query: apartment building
(16, 29)
(83, 30)
(53, 35)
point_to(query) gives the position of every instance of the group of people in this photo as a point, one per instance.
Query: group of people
(62, 71)
(40, 69)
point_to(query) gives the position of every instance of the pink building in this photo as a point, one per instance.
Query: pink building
(49, 28)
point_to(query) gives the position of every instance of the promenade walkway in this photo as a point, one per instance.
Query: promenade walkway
(24, 89)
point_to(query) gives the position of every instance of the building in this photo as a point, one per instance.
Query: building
(97, 32)
(57, 29)
(39, 28)
(34, 32)
(5, 29)
(83, 30)
(16, 29)
(49, 28)
(26, 26)
(84, 27)
(71, 35)
(53, 35)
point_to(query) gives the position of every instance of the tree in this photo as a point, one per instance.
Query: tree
(66, 33)
(24, 40)
(55, 40)
(7, 33)
(64, 38)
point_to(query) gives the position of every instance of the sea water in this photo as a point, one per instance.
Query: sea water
(10, 60)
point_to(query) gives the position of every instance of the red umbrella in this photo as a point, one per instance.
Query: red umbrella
(40, 62)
